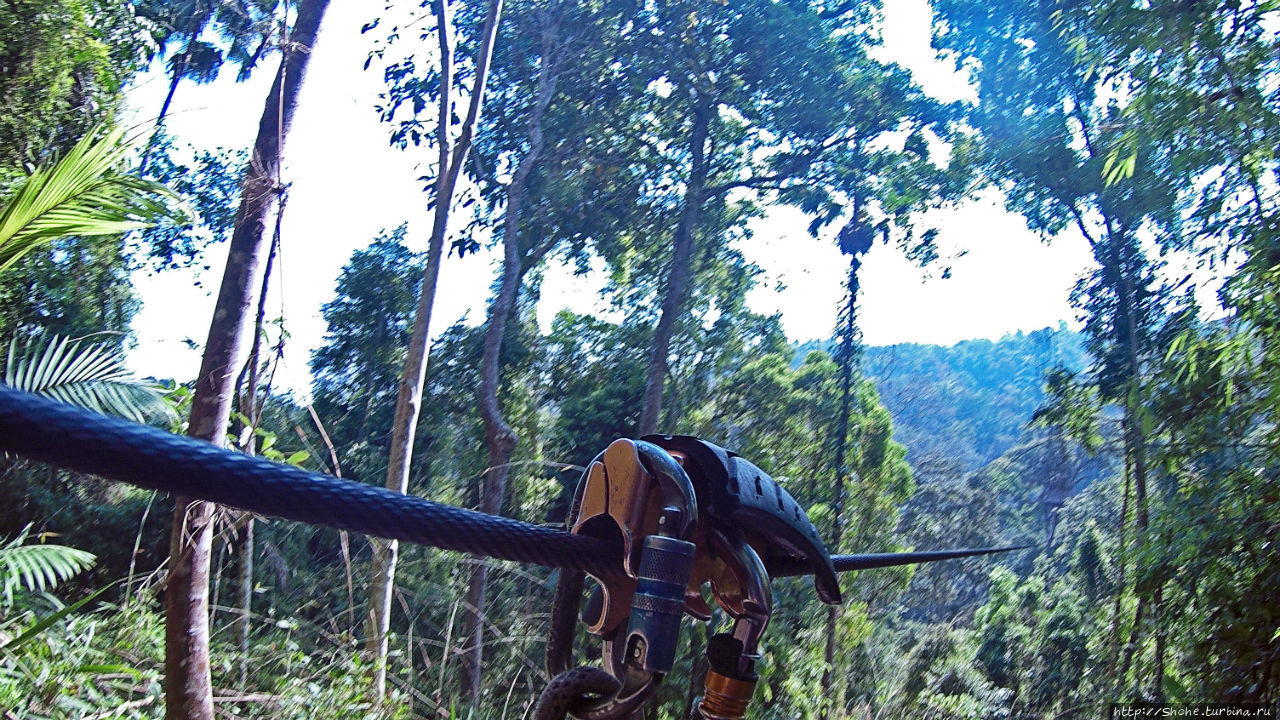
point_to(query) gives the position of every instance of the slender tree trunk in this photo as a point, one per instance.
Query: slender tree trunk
(847, 353)
(251, 409)
(1131, 646)
(1138, 449)
(179, 67)
(678, 278)
(176, 72)
(500, 437)
(452, 158)
(188, 686)
(1157, 622)
(500, 440)
(1111, 256)
(1134, 440)
(1113, 655)
(1135, 443)
(244, 599)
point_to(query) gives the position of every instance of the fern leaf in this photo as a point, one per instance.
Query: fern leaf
(38, 567)
(92, 376)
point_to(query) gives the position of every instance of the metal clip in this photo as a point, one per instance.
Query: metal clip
(635, 492)
(741, 587)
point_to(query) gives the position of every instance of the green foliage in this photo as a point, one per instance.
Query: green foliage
(1141, 122)
(37, 567)
(243, 27)
(107, 659)
(65, 62)
(1140, 126)
(90, 662)
(74, 287)
(92, 376)
(63, 266)
(82, 194)
(1072, 406)
(357, 369)
(209, 182)
(960, 407)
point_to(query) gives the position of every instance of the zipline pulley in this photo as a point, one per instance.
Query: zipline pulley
(688, 514)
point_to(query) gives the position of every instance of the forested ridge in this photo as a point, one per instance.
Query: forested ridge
(964, 405)
(1138, 458)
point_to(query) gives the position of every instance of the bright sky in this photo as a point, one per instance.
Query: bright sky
(348, 184)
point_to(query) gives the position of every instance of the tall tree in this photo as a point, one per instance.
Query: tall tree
(744, 94)
(188, 685)
(1048, 139)
(875, 188)
(1199, 85)
(501, 440)
(548, 82)
(452, 158)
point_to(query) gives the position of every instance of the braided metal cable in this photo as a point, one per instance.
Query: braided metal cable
(66, 436)
(867, 561)
(573, 690)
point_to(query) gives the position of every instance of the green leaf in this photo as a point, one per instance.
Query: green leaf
(1115, 168)
(92, 376)
(101, 668)
(50, 619)
(37, 567)
(83, 194)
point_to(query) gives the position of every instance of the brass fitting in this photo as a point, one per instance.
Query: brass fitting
(726, 698)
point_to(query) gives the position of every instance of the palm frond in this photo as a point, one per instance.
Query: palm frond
(83, 194)
(37, 567)
(90, 375)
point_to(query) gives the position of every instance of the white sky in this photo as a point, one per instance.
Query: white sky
(348, 184)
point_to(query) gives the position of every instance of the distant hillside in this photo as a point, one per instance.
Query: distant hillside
(957, 408)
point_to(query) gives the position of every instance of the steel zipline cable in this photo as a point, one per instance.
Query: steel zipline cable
(69, 437)
(116, 449)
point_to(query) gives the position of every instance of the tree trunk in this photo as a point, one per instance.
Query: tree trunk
(251, 409)
(847, 357)
(244, 599)
(1114, 266)
(188, 686)
(500, 440)
(179, 68)
(1131, 646)
(1158, 623)
(409, 395)
(681, 271)
(1135, 443)
(500, 437)
(1113, 654)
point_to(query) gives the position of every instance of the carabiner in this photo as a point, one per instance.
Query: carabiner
(741, 587)
(637, 492)
(686, 513)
